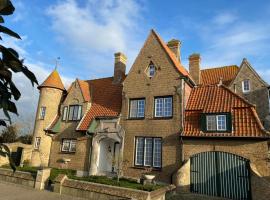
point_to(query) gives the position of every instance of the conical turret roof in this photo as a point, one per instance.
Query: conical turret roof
(53, 81)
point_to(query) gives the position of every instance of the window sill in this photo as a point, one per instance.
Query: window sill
(36, 150)
(139, 118)
(162, 118)
(65, 152)
(145, 167)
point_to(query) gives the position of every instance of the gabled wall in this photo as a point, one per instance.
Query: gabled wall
(258, 94)
(138, 85)
(79, 159)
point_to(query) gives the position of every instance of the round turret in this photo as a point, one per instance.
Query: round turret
(51, 92)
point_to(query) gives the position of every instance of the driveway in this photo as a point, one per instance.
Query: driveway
(9, 191)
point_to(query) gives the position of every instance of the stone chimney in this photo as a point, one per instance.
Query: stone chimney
(119, 67)
(194, 67)
(175, 45)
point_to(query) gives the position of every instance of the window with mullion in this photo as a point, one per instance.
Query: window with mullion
(75, 112)
(68, 145)
(163, 106)
(148, 152)
(137, 107)
(216, 122)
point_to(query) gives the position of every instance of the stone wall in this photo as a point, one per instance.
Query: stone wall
(90, 190)
(13, 147)
(137, 84)
(22, 178)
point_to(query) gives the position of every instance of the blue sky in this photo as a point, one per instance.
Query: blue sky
(86, 33)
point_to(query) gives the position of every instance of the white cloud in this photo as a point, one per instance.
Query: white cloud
(102, 26)
(230, 42)
(224, 18)
(93, 32)
(27, 104)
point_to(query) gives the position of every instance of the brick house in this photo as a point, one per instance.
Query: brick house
(159, 117)
(243, 80)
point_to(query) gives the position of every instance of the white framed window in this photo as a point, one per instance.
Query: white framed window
(148, 152)
(136, 108)
(75, 112)
(211, 122)
(246, 85)
(42, 112)
(221, 123)
(216, 122)
(64, 116)
(163, 106)
(37, 142)
(68, 145)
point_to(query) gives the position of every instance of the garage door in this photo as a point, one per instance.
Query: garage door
(220, 174)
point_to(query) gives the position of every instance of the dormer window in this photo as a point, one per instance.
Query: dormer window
(246, 85)
(75, 112)
(219, 122)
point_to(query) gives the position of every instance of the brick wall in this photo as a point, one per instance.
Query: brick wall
(79, 159)
(258, 94)
(137, 85)
(254, 150)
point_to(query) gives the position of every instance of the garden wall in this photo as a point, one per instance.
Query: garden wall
(22, 178)
(84, 189)
(35, 180)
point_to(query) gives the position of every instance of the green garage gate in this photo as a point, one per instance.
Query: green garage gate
(220, 174)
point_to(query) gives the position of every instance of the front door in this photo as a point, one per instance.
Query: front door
(220, 174)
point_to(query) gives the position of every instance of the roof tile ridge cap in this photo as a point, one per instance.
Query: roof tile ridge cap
(238, 96)
(255, 114)
(169, 52)
(220, 67)
(85, 114)
(95, 79)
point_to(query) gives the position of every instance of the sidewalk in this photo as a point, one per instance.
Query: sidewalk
(9, 191)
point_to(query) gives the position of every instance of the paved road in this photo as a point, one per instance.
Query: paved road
(9, 191)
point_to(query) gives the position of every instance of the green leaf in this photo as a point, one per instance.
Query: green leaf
(2, 19)
(15, 92)
(6, 74)
(30, 75)
(6, 7)
(9, 32)
(2, 123)
(12, 107)
(15, 53)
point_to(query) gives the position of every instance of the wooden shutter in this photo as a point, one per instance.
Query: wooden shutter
(229, 122)
(203, 122)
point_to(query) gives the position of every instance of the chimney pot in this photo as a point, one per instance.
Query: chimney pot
(175, 46)
(194, 67)
(120, 61)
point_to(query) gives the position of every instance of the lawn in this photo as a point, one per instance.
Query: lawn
(123, 182)
(32, 170)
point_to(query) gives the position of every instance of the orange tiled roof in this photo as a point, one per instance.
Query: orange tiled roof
(53, 81)
(217, 99)
(106, 101)
(212, 76)
(85, 89)
(171, 55)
